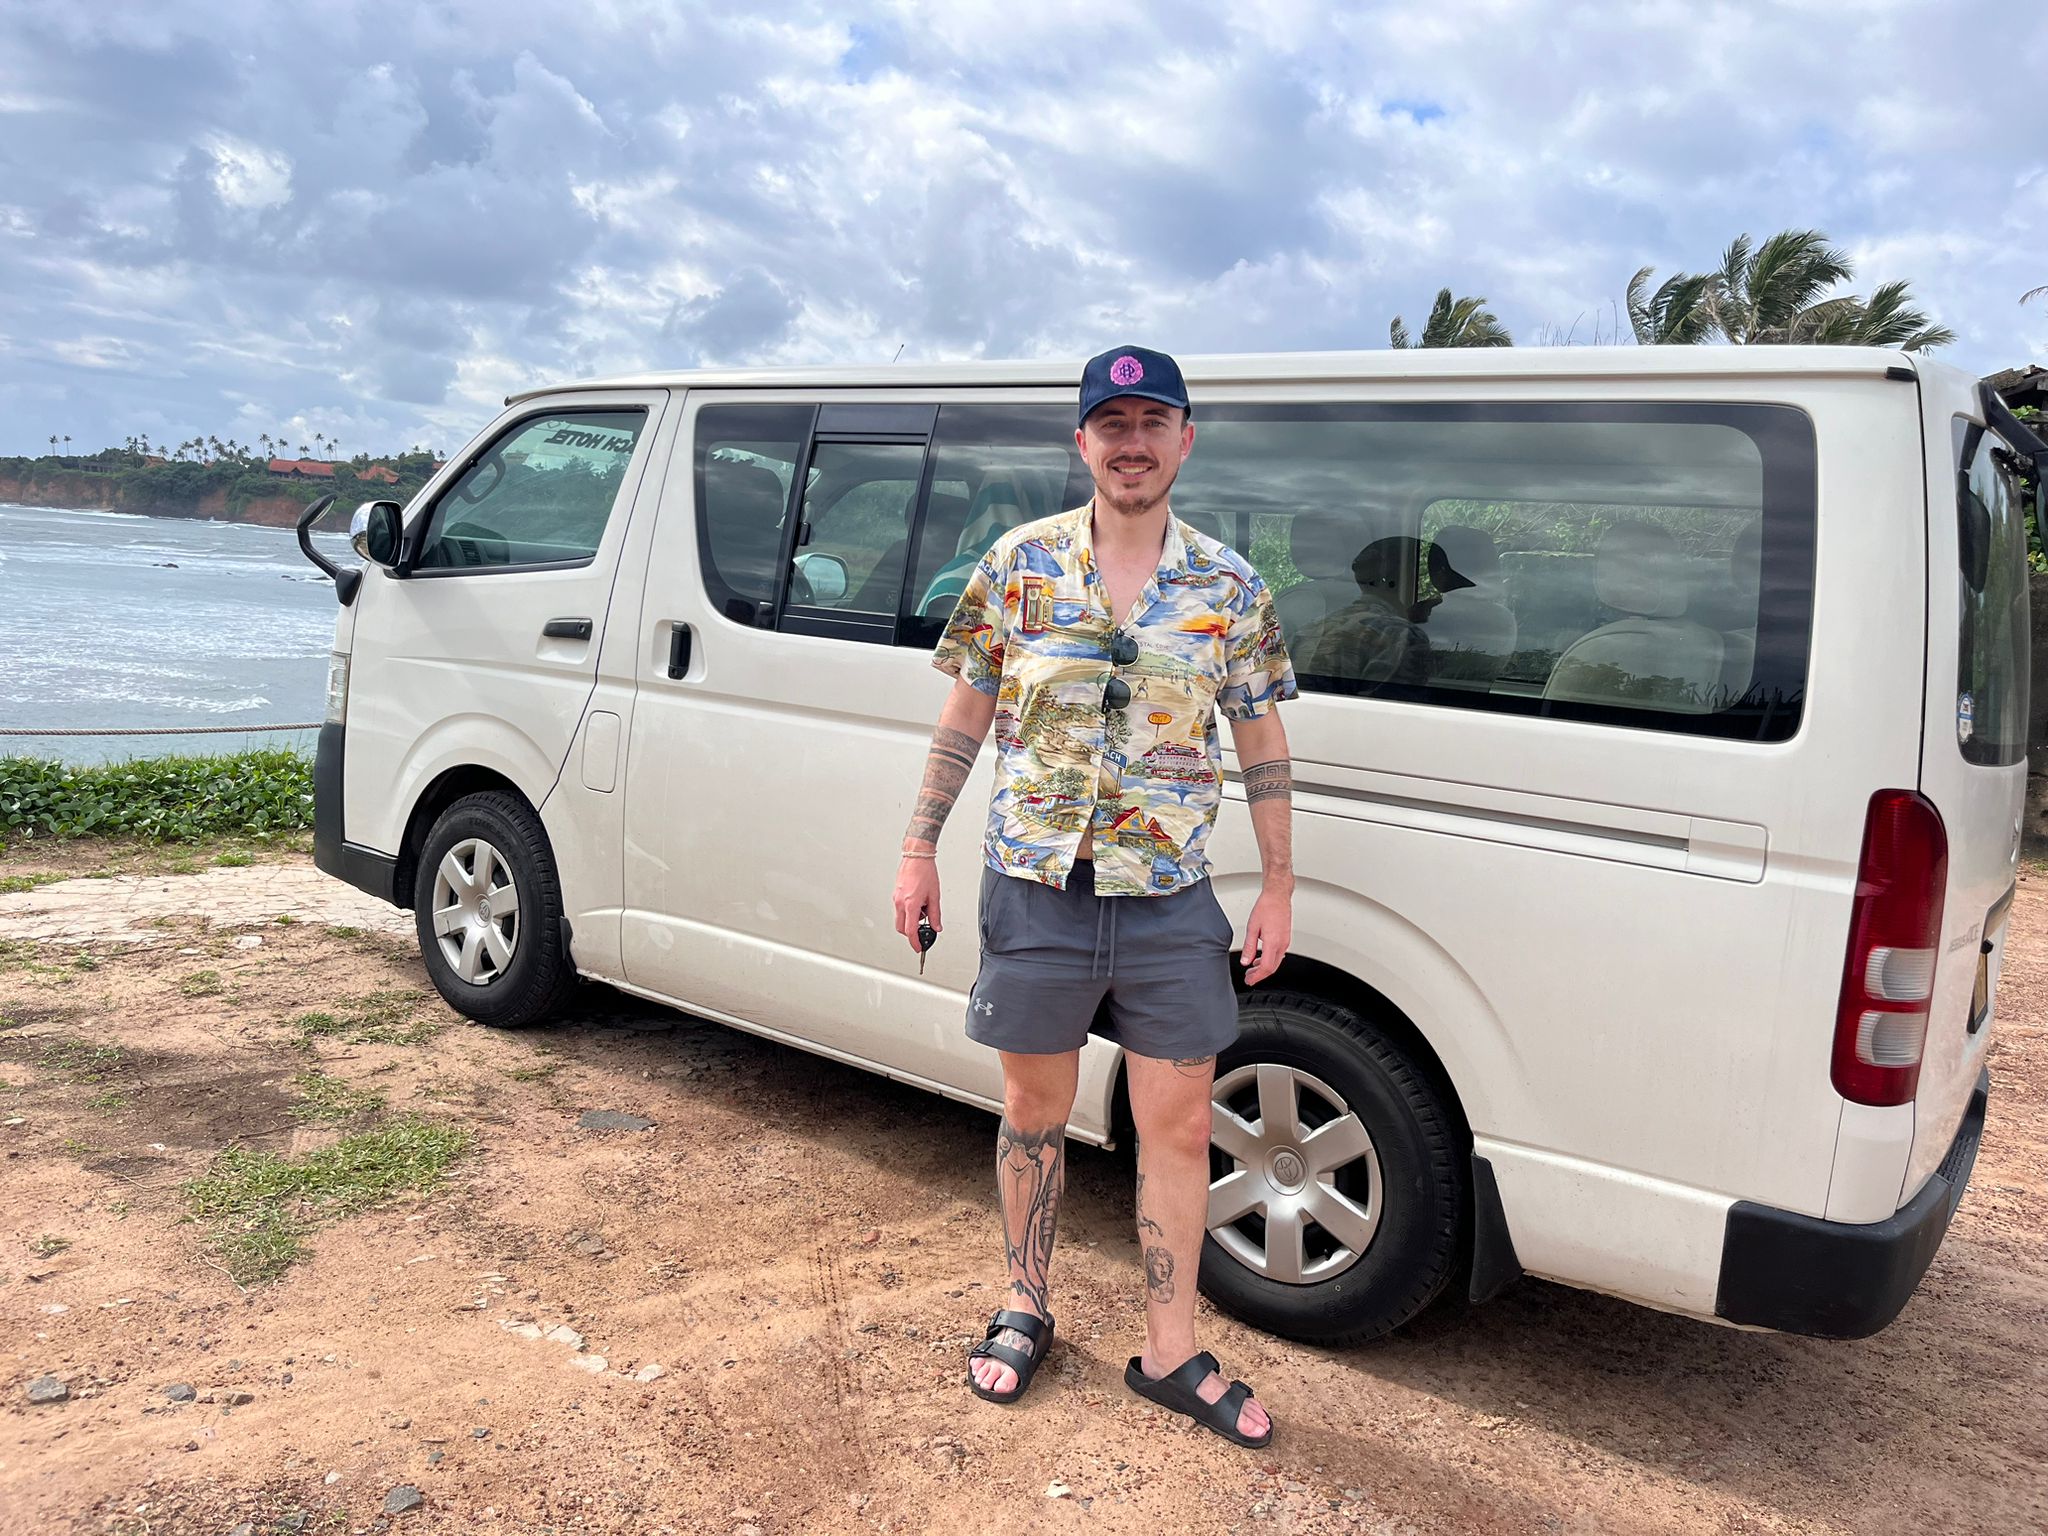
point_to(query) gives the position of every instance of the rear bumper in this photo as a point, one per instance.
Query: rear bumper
(365, 869)
(1799, 1274)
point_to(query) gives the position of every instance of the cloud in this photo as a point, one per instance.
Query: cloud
(374, 220)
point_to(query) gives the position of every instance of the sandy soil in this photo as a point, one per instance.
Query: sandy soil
(806, 1251)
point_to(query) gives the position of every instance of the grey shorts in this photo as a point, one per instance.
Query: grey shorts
(1151, 973)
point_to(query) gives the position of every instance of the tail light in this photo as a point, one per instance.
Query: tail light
(1894, 938)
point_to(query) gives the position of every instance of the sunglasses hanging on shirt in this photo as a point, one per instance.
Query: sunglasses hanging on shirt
(1123, 650)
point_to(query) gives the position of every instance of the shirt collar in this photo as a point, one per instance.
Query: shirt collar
(1173, 554)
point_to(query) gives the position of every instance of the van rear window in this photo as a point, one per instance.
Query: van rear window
(1993, 648)
(1623, 564)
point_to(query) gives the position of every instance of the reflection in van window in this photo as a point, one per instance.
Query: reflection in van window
(1991, 536)
(745, 457)
(540, 495)
(857, 526)
(994, 468)
(1636, 565)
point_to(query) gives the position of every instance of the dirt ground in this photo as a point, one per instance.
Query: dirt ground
(806, 1250)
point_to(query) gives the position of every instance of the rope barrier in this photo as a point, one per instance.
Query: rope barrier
(170, 730)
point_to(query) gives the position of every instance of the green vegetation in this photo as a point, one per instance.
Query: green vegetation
(1780, 290)
(230, 474)
(260, 1206)
(110, 1099)
(381, 1018)
(75, 1061)
(1454, 322)
(322, 1097)
(262, 794)
(201, 984)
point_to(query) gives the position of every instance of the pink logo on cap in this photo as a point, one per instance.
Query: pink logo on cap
(1126, 371)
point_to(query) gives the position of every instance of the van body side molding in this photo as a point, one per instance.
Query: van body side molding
(1724, 850)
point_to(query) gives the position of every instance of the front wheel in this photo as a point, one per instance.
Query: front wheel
(488, 908)
(1337, 1185)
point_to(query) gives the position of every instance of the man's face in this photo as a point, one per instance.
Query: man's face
(1134, 449)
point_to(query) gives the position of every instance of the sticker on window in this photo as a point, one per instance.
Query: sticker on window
(1966, 716)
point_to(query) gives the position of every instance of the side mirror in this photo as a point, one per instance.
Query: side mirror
(826, 576)
(376, 532)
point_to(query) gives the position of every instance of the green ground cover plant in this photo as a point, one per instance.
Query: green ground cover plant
(260, 794)
(260, 1206)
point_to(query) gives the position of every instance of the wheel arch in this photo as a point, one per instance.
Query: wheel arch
(451, 785)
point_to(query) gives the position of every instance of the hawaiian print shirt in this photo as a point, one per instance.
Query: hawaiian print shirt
(1034, 628)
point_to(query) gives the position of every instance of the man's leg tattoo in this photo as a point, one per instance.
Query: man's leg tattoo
(1030, 1178)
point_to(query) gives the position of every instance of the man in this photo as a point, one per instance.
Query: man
(1372, 640)
(1100, 642)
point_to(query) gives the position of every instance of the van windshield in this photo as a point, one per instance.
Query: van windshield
(1993, 650)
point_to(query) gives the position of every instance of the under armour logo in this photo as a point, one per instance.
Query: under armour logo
(982, 1007)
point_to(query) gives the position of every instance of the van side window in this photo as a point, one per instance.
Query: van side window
(994, 468)
(745, 457)
(1640, 565)
(541, 495)
(855, 534)
(1993, 646)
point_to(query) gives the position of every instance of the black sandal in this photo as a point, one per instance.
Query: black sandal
(1037, 1329)
(1177, 1390)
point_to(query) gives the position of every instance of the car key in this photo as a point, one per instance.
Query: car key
(927, 936)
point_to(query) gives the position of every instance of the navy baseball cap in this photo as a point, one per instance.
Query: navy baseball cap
(1132, 371)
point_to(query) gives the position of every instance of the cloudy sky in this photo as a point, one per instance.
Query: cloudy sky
(373, 220)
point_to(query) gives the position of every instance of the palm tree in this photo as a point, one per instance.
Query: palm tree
(53, 443)
(1779, 291)
(2035, 293)
(1884, 320)
(1455, 323)
(67, 443)
(1677, 314)
(303, 450)
(1761, 293)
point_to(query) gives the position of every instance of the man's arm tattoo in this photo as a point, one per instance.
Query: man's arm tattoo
(1030, 1176)
(1159, 1273)
(1193, 1066)
(1267, 781)
(946, 769)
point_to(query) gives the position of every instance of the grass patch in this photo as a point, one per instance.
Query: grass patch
(382, 1018)
(233, 860)
(260, 1206)
(11, 885)
(322, 1097)
(81, 1150)
(20, 955)
(49, 1245)
(110, 1099)
(160, 799)
(201, 984)
(538, 1073)
(77, 1061)
(85, 963)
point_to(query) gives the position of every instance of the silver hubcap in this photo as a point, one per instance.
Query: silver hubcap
(476, 911)
(1302, 1198)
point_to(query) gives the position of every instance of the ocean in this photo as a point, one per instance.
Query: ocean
(108, 620)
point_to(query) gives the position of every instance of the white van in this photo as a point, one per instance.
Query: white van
(1660, 770)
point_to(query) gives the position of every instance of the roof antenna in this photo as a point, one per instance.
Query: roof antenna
(899, 350)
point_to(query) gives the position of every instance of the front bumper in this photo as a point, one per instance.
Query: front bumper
(364, 868)
(1799, 1274)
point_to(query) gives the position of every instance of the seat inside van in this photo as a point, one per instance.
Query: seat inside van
(1008, 497)
(1653, 654)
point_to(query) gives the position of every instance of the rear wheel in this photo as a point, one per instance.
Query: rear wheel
(488, 908)
(1337, 1185)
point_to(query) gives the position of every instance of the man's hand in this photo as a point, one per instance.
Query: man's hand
(917, 895)
(1266, 935)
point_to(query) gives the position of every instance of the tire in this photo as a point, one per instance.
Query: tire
(524, 974)
(1393, 1242)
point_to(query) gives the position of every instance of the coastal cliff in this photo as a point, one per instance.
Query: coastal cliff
(104, 493)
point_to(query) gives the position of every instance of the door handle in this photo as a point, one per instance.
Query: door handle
(566, 629)
(678, 650)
